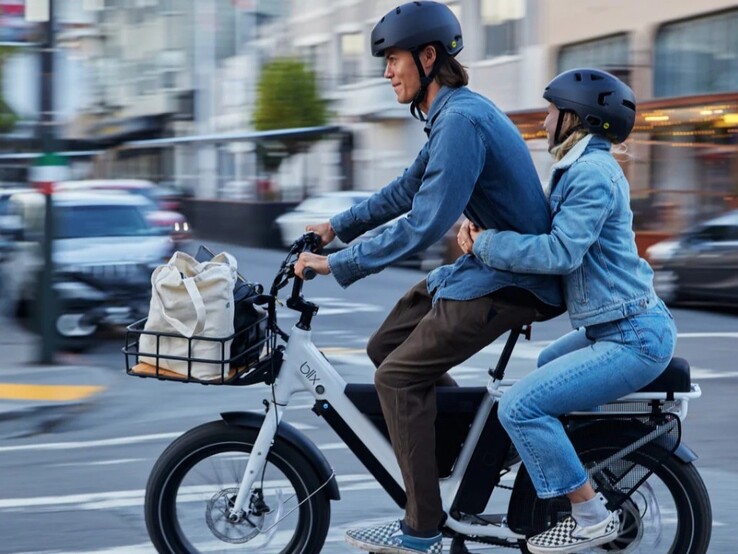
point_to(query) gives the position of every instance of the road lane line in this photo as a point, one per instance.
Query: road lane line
(102, 462)
(134, 498)
(698, 373)
(120, 441)
(716, 335)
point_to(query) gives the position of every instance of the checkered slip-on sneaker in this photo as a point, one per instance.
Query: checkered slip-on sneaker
(389, 539)
(567, 536)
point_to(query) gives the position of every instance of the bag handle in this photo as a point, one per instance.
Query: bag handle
(197, 303)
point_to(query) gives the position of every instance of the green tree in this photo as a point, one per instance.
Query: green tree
(288, 97)
(7, 116)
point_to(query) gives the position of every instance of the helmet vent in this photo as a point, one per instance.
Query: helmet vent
(629, 104)
(594, 121)
(602, 98)
(595, 77)
(420, 5)
(398, 10)
(378, 42)
(578, 76)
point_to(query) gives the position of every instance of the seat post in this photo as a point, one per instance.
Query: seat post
(498, 373)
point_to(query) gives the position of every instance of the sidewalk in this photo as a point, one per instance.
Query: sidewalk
(34, 398)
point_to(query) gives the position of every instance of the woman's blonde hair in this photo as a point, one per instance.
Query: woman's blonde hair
(620, 151)
(571, 120)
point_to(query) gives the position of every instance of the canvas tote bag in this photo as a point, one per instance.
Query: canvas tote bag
(190, 298)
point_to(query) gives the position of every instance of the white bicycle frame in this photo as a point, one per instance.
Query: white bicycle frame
(305, 369)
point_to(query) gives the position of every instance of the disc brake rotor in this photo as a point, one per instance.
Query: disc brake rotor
(246, 528)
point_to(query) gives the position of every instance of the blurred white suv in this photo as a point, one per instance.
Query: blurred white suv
(104, 251)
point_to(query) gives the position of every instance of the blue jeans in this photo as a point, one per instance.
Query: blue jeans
(579, 371)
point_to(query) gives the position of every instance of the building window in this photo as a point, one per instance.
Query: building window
(316, 59)
(176, 30)
(610, 54)
(502, 23)
(697, 56)
(352, 50)
(169, 79)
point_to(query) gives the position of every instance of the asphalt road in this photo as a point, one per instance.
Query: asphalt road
(80, 489)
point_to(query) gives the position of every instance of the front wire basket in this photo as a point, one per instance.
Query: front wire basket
(254, 363)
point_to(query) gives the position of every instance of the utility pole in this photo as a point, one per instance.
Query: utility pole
(45, 174)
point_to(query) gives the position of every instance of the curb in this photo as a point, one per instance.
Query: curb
(35, 400)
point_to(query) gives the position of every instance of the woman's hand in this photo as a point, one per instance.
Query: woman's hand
(468, 233)
(324, 231)
(314, 261)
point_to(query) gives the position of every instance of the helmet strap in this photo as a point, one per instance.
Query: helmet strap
(559, 122)
(425, 80)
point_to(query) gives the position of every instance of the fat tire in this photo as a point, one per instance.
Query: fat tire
(211, 438)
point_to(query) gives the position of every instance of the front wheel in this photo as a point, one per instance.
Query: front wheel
(669, 513)
(195, 481)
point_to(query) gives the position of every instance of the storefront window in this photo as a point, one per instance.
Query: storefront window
(697, 56)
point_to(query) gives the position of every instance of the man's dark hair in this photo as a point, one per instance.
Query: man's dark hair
(450, 72)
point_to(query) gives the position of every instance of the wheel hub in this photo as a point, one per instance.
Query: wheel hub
(72, 325)
(233, 528)
(241, 527)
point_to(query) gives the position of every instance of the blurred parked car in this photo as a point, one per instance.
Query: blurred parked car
(161, 201)
(700, 264)
(322, 207)
(10, 223)
(104, 252)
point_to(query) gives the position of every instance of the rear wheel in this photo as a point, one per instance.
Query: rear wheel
(670, 513)
(195, 481)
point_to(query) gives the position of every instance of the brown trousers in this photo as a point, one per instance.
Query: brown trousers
(413, 349)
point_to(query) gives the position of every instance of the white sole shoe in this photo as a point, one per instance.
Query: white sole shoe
(566, 537)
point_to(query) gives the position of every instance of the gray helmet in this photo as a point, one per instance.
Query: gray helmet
(604, 103)
(416, 24)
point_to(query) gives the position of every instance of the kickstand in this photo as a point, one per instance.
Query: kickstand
(458, 547)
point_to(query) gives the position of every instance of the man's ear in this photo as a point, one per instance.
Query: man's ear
(428, 57)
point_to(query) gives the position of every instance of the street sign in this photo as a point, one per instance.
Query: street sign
(47, 170)
(15, 29)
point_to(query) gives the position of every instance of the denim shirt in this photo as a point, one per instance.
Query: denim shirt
(476, 163)
(591, 242)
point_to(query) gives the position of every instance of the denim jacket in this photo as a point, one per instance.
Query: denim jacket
(475, 162)
(591, 242)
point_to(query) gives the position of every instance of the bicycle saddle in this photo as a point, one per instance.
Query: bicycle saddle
(675, 378)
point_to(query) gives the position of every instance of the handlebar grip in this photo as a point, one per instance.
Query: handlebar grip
(308, 274)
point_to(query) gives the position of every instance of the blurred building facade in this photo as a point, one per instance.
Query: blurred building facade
(147, 69)
(675, 49)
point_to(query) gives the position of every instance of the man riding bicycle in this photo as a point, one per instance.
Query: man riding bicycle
(474, 163)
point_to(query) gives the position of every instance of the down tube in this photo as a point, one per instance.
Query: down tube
(319, 375)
